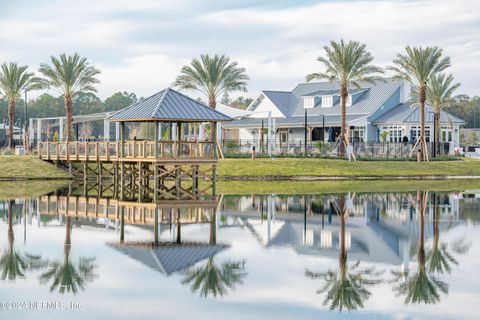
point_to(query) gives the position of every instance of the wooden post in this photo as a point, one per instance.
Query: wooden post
(179, 137)
(213, 134)
(155, 146)
(122, 138)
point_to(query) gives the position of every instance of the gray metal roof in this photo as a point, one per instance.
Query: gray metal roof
(169, 258)
(291, 103)
(313, 121)
(168, 105)
(408, 113)
(282, 100)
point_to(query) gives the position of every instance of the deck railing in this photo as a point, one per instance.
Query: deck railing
(132, 150)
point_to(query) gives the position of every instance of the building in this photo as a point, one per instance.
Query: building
(375, 112)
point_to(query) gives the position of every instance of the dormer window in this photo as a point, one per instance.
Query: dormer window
(308, 102)
(327, 101)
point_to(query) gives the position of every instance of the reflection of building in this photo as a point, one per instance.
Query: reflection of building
(380, 227)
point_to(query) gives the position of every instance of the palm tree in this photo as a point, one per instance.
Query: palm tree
(13, 80)
(69, 75)
(346, 288)
(440, 90)
(212, 76)
(67, 276)
(422, 286)
(418, 66)
(215, 280)
(347, 63)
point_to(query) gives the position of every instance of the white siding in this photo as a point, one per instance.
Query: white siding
(262, 110)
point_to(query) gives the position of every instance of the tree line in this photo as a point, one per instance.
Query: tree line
(347, 63)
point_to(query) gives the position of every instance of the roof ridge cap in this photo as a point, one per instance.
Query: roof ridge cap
(160, 102)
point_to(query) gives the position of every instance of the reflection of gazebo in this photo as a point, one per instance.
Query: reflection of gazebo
(177, 157)
(169, 258)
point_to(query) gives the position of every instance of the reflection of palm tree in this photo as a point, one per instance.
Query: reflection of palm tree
(12, 263)
(215, 280)
(439, 259)
(423, 286)
(68, 277)
(346, 288)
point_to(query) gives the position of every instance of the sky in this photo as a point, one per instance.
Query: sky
(140, 46)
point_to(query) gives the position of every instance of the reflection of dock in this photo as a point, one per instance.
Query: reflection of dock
(185, 212)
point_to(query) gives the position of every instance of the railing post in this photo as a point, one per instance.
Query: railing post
(96, 151)
(77, 150)
(86, 151)
(48, 150)
(106, 150)
(122, 139)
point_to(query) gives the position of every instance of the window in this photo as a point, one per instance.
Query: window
(395, 134)
(308, 102)
(415, 132)
(327, 101)
(446, 135)
(357, 134)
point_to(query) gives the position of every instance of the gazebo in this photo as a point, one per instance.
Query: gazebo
(174, 163)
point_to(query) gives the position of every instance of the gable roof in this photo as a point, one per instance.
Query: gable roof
(371, 97)
(283, 100)
(168, 105)
(407, 113)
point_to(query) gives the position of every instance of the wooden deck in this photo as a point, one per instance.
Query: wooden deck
(131, 151)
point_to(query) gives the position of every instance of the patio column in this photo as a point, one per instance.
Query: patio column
(60, 129)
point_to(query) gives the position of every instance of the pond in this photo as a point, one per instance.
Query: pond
(356, 255)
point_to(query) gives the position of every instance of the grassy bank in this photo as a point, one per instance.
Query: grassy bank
(327, 167)
(28, 167)
(28, 189)
(316, 187)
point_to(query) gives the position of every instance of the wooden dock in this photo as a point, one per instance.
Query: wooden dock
(162, 170)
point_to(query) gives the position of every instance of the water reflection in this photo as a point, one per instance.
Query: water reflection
(353, 249)
(66, 276)
(345, 288)
(214, 279)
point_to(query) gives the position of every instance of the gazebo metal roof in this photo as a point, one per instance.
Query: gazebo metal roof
(171, 106)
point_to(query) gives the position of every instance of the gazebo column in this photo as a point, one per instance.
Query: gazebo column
(155, 175)
(213, 133)
(173, 131)
(106, 129)
(117, 131)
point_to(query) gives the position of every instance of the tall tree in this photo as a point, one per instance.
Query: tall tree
(440, 89)
(69, 75)
(13, 80)
(347, 63)
(213, 76)
(418, 66)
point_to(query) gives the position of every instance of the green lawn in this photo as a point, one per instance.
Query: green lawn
(327, 167)
(29, 167)
(316, 187)
(28, 189)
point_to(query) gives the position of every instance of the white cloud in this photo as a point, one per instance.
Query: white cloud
(278, 46)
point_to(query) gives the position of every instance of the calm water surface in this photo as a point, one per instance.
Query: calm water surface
(357, 255)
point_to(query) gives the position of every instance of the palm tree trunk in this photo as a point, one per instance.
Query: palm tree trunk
(343, 111)
(212, 103)
(342, 257)
(68, 240)
(68, 102)
(437, 129)
(11, 236)
(422, 99)
(11, 114)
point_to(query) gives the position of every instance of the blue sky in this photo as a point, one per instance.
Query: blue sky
(141, 45)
